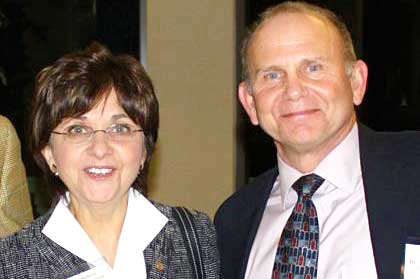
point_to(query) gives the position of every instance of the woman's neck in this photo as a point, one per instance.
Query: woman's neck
(102, 223)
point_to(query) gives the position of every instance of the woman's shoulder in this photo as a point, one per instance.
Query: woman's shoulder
(202, 228)
(28, 253)
(26, 237)
(18, 250)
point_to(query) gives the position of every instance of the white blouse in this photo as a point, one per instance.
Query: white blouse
(141, 225)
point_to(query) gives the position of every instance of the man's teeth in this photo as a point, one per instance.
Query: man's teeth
(99, 170)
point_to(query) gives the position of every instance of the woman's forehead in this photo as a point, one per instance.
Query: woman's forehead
(107, 108)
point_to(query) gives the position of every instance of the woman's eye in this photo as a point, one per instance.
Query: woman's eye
(77, 129)
(120, 129)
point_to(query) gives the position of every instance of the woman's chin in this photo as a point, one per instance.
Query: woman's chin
(102, 197)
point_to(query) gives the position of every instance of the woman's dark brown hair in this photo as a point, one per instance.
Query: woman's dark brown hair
(75, 83)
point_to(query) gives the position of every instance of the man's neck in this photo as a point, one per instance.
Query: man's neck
(305, 160)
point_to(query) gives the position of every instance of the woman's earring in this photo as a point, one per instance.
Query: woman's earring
(55, 170)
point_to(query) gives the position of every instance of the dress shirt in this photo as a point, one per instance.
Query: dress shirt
(142, 223)
(345, 248)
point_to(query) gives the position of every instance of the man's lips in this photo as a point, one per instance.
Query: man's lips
(300, 113)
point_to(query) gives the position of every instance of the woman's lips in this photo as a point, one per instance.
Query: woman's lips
(99, 172)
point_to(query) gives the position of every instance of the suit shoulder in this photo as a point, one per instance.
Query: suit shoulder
(406, 142)
(5, 123)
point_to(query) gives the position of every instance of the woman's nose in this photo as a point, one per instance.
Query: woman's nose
(99, 144)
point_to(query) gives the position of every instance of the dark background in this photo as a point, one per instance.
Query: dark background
(34, 33)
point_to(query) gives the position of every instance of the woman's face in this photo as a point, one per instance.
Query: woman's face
(99, 170)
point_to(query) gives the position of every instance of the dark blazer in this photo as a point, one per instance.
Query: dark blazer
(391, 176)
(29, 254)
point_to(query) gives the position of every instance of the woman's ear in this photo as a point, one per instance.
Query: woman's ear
(48, 156)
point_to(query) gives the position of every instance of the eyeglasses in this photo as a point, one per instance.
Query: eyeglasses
(81, 134)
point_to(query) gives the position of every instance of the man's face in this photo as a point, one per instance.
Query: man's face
(301, 94)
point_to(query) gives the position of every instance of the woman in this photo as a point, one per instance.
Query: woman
(95, 122)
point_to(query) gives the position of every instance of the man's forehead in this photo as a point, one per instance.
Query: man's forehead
(293, 25)
(293, 30)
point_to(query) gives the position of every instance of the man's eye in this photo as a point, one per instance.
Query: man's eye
(77, 129)
(314, 68)
(272, 76)
(120, 129)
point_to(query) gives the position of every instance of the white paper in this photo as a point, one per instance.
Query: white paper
(412, 261)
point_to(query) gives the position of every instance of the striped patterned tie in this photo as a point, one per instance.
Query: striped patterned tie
(297, 253)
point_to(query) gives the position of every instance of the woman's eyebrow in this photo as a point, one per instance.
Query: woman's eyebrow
(119, 116)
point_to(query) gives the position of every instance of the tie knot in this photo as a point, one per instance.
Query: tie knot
(307, 185)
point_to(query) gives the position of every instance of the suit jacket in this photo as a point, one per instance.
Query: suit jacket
(29, 254)
(391, 176)
(15, 204)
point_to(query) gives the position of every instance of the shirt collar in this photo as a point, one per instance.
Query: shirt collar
(341, 167)
(141, 225)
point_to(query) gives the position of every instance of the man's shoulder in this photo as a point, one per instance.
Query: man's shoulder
(403, 142)
(249, 195)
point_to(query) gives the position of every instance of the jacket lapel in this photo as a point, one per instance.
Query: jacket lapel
(385, 202)
(62, 263)
(260, 197)
(158, 254)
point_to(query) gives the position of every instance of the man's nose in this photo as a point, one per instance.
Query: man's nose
(294, 88)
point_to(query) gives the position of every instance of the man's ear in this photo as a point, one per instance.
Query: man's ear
(48, 156)
(358, 81)
(247, 100)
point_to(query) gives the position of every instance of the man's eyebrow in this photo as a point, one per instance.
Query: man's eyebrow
(316, 58)
(267, 69)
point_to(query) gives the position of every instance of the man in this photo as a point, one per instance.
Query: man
(302, 83)
(15, 204)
